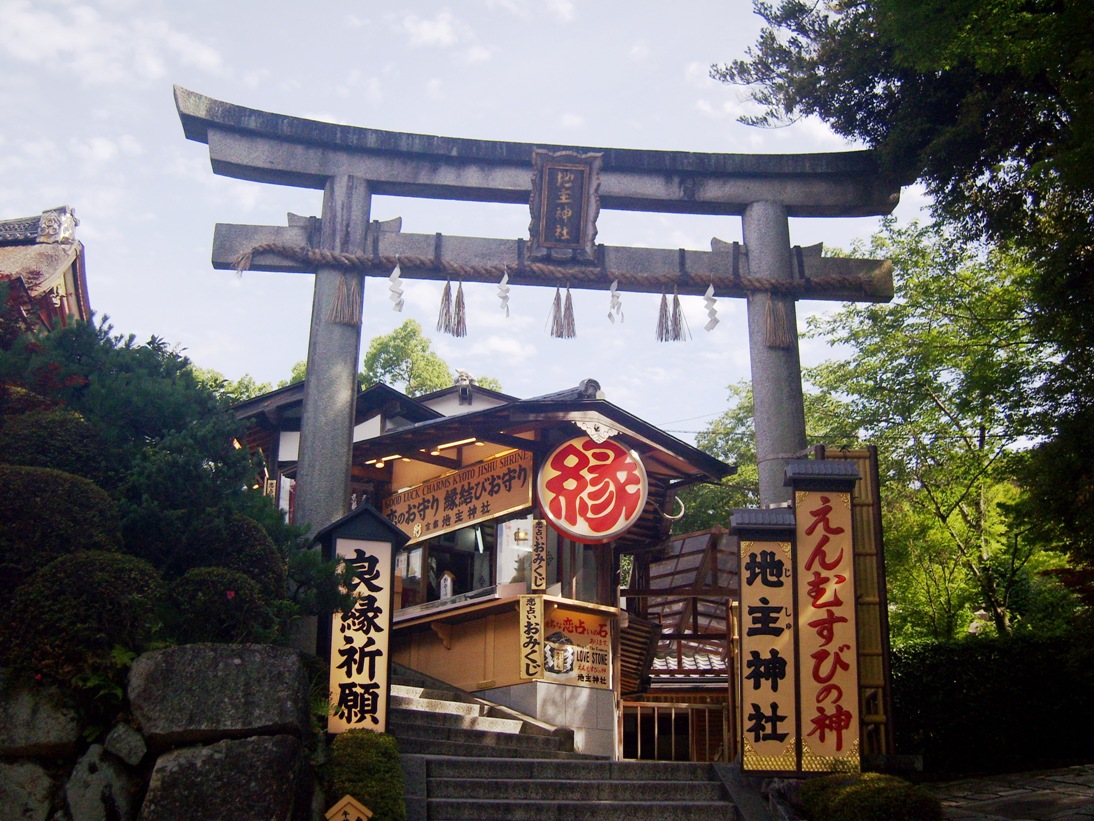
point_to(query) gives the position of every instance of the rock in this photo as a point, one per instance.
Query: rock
(197, 693)
(25, 791)
(252, 778)
(126, 743)
(101, 789)
(36, 720)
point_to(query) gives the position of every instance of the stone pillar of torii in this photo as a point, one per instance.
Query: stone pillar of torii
(566, 186)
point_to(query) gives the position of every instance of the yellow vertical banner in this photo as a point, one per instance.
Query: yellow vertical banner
(531, 637)
(359, 659)
(539, 555)
(827, 639)
(768, 701)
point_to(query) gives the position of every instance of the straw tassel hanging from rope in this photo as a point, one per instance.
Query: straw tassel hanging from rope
(562, 322)
(459, 313)
(777, 331)
(346, 307)
(672, 326)
(444, 316)
(452, 318)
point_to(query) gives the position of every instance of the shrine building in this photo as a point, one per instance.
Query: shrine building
(505, 511)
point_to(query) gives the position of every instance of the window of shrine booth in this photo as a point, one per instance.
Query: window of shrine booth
(499, 552)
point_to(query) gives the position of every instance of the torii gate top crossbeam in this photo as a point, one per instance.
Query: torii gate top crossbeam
(273, 148)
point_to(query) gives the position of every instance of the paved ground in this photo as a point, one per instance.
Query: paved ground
(1051, 795)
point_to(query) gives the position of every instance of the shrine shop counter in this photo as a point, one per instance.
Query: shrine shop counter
(503, 637)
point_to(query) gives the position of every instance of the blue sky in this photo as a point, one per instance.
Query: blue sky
(90, 122)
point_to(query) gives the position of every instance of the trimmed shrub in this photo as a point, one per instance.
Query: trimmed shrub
(81, 618)
(990, 704)
(215, 604)
(366, 765)
(45, 514)
(867, 797)
(237, 542)
(58, 439)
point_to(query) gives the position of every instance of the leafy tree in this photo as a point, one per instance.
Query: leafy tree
(236, 390)
(297, 374)
(731, 438)
(404, 359)
(991, 105)
(943, 381)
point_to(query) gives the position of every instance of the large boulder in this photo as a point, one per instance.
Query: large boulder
(101, 788)
(36, 720)
(249, 779)
(197, 693)
(25, 791)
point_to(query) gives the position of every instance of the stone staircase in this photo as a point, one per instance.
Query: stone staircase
(466, 758)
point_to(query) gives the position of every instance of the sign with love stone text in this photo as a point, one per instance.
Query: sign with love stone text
(592, 492)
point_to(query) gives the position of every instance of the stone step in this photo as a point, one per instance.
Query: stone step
(454, 809)
(404, 730)
(410, 745)
(552, 791)
(595, 769)
(436, 705)
(405, 716)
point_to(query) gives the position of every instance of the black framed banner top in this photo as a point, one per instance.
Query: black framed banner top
(565, 204)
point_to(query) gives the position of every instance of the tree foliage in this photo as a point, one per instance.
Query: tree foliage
(405, 359)
(990, 103)
(945, 382)
(731, 438)
(164, 481)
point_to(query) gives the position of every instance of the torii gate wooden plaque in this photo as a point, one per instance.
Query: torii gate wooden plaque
(351, 164)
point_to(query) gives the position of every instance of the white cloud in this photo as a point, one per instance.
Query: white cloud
(96, 49)
(440, 31)
(570, 120)
(434, 89)
(564, 10)
(698, 74)
(357, 85)
(478, 54)
(639, 51)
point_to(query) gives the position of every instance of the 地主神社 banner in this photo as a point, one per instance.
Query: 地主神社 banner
(827, 637)
(360, 638)
(463, 497)
(768, 700)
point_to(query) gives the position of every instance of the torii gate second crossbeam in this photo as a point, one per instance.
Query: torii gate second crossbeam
(351, 164)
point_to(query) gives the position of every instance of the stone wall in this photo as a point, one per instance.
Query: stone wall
(218, 731)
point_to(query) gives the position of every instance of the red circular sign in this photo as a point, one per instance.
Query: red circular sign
(592, 492)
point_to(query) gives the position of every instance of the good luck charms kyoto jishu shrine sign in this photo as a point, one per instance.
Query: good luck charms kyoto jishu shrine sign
(566, 186)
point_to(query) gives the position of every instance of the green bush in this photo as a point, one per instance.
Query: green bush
(216, 604)
(867, 797)
(366, 765)
(222, 538)
(81, 618)
(45, 514)
(58, 439)
(994, 704)
(15, 400)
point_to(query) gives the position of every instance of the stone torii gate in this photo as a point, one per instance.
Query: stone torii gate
(351, 164)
